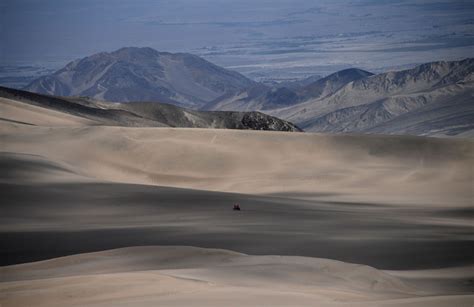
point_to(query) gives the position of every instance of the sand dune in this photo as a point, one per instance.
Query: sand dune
(365, 168)
(393, 203)
(179, 276)
(15, 111)
(53, 212)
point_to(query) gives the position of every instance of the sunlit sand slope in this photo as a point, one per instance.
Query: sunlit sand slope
(411, 170)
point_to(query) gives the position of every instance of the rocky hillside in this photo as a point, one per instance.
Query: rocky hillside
(431, 99)
(262, 97)
(330, 84)
(142, 74)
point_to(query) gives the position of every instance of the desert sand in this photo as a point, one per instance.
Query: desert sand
(184, 276)
(346, 220)
(398, 169)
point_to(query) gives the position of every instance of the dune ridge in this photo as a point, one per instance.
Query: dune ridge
(180, 275)
(371, 168)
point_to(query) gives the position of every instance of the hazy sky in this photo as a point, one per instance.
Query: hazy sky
(260, 38)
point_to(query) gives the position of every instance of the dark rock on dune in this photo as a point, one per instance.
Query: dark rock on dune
(260, 121)
(174, 116)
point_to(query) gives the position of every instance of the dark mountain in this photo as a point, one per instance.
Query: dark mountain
(142, 74)
(431, 99)
(148, 114)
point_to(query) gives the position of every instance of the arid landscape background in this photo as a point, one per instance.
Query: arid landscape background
(237, 153)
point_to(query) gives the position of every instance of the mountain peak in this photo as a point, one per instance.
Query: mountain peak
(142, 73)
(351, 72)
(135, 51)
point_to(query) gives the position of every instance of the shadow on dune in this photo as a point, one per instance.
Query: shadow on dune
(46, 220)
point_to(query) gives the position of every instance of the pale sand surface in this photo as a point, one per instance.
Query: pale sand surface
(410, 170)
(402, 204)
(183, 276)
(12, 110)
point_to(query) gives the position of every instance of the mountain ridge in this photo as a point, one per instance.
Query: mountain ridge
(364, 104)
(350, 100)
(262, 97)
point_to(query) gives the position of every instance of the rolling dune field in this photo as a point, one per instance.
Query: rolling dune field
(120, 216)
